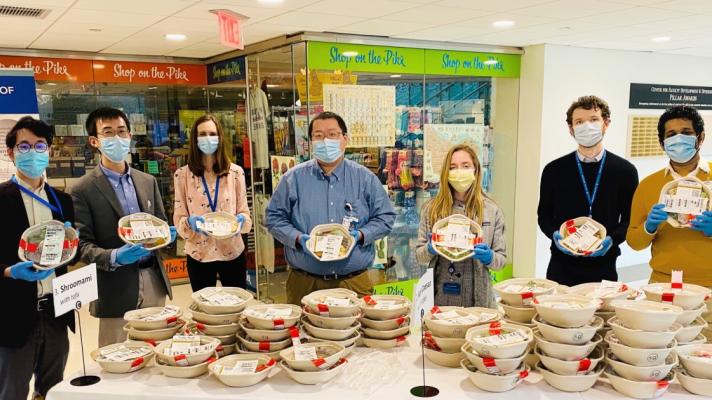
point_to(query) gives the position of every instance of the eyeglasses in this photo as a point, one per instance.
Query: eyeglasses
(122, 133)
(24, 147)
(320, 135)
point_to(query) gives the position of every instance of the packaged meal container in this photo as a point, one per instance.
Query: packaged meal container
(455, 237)
(582, 235)
(685, 199)
(330, 242)
(146, 229)
(48, 245)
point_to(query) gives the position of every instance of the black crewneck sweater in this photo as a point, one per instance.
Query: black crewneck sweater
(562, 197)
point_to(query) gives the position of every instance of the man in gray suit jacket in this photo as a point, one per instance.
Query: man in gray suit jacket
(129, 276)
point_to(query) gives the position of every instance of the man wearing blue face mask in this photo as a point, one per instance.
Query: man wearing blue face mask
(33, 342)
(329, 190)
(681, 132)
(129, 276)
(590, 182)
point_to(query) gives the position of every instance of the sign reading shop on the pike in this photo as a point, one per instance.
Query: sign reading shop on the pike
(661, 96)
(74, 289)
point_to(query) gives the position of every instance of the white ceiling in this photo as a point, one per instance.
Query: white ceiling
(138, 26)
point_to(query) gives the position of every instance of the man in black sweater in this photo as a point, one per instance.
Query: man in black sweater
(591, 182)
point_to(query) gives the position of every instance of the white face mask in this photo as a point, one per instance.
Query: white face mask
(588, 134)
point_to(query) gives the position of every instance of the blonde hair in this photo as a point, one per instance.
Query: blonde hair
(441, 206)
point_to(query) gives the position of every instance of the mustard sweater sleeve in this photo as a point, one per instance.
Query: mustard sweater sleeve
(643, 201)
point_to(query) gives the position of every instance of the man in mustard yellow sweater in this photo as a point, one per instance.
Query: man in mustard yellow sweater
(681, 133)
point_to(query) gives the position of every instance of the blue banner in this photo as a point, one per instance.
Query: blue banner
(227, 71)
(17, 91)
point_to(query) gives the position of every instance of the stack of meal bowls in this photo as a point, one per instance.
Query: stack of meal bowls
(707, 316)
(640, 347)
(606, 292)
(313, 363)
(217, 310)
(332, 315)
(495, 355)
(385, 318)
(691, 298)
(242, 370)
(446, 330)
(121, 358)
(154, 324)
(567, 341)
(268, 328)
(516, 297)
(186, 356)
(695, 372)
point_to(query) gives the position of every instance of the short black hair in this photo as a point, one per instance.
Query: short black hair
(681, 112)
(328, 115)
(37, 127)
(102, 114)
(588, 103)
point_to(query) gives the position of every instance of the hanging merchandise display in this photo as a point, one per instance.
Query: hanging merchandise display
(439, 138)
(368, 111)
(259, 109)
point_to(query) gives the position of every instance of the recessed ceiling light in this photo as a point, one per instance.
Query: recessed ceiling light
(38, 90)
(51, 84)
(270, 2)
(98, 66)
(176, 37)
(396, 76)
(153, 88)
(94, 30)
(661, 39)
(350, 53)
(503, 24)
(490, 62)
(271, 85)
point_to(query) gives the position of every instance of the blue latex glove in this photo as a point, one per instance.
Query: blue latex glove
(303, 242)
(431, 249)
(656, 218)
(174, 233)
(483, 254)
(703, 223)
(556, 238)
(26, 272)
(68, 224)
(193, 222)
(130, 254)
(240, 221)
(356, 235)
(605, 246)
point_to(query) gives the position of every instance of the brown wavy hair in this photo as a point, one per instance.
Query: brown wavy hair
(222, 154)
(441, 205)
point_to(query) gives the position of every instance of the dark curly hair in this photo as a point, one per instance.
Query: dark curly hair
(681, 112)
(38, 127)
(588, 103)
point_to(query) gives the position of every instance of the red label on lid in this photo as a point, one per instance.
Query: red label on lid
(323, 309)
(264, 347)
(171, 321)
(200, 326)
(137, 362)
(319, 363)
(294, 332)
(369, 300)
(571, 229)
(435, 310)
(401, 321)
(668, 297)
(278, 323)
(584, 365)
(676, 285)
(663, 384)
(151, 342)
(570, 223)
(489, 362)
(211, 360)
(400, 339)
(523, 374)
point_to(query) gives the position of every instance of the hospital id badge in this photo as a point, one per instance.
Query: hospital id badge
(349, 222)
(451, 288)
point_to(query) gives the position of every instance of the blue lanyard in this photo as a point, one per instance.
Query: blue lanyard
(212, 202)
(589, 197)
(55, 209)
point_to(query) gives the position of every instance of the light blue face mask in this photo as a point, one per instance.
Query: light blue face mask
(208, 144)
(327, 150)
(32, 164)
(115, 148)
(681, 148)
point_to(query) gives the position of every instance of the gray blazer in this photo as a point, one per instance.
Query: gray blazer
(97, 212)
(473, 277)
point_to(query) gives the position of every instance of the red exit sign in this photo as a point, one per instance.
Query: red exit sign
(231, 25)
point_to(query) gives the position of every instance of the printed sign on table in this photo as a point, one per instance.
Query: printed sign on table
(423, 297)
(74, 289)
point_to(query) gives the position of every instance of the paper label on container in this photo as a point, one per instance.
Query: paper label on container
(242, 367)
(304, 353)
(503, 339)
(330, 245)
(336, 302)
(583, 239)
(52, 245)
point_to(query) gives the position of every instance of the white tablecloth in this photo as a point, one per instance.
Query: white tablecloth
(453, 383)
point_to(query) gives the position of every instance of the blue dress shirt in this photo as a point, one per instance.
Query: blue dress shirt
(306, 197)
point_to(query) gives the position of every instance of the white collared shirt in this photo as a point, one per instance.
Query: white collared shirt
(36, 214)
(702, 165)
(585, 159)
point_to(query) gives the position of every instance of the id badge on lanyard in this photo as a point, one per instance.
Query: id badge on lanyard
(350, 220)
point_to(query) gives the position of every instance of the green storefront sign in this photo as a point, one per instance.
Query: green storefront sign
(364, 58)
(465, 63)
(403, 60)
